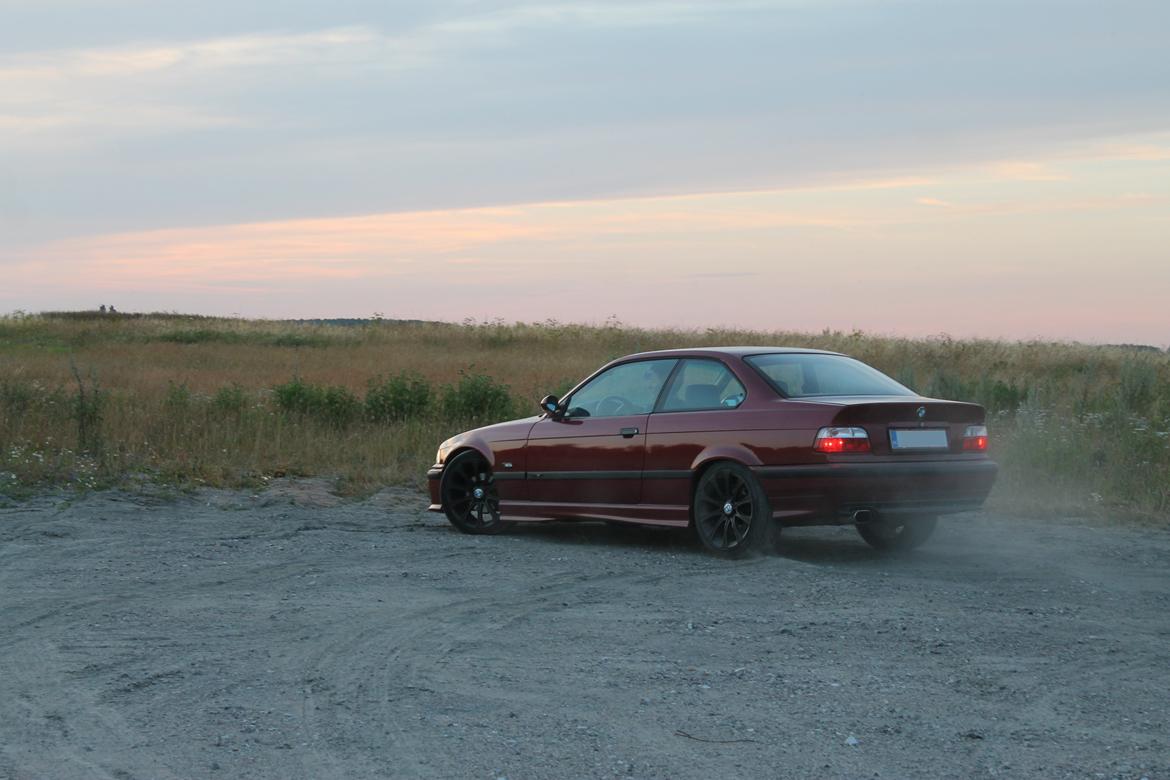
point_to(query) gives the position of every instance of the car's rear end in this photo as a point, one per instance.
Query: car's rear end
(890, 457)
(882, 452)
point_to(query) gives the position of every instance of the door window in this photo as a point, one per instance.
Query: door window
(631, 388)
(703, 384)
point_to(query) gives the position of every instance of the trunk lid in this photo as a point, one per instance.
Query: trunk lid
(904, 416)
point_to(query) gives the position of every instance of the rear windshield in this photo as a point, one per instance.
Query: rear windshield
(800, 375)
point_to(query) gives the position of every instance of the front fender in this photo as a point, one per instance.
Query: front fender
(435, 472)
(480, 445)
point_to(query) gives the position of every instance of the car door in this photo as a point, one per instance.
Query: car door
(594, 453)
(697, 411)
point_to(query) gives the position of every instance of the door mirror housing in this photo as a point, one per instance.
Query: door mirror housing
(552, 405)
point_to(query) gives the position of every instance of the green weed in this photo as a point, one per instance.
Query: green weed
(477, 398)
(402, 397)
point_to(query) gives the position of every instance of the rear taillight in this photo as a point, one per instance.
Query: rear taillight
(975, 438)
(841, 440)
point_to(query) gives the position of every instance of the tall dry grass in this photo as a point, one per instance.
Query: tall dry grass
(191, 400)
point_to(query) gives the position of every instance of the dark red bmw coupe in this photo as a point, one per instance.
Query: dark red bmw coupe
(736, 442)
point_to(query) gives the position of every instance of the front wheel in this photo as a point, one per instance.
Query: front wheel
(898, 533)
(470, 499)
(730, 511)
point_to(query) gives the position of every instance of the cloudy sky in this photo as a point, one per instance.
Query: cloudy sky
(974, 168)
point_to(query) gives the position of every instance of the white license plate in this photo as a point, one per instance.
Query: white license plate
(918, 439)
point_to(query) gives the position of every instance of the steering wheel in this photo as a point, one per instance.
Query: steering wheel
(610, 406)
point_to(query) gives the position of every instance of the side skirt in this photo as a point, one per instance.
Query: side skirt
(644, 514)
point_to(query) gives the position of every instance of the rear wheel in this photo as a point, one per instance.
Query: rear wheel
(730, 511)
(470, 499)
(898, 533)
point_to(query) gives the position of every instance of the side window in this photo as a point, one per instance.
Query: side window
(631, 388)
(703, 384)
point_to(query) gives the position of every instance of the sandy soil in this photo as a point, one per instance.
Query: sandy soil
(292, 635)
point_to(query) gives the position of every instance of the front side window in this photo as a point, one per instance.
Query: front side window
(702, 384)
(631, 388)
(804, 375)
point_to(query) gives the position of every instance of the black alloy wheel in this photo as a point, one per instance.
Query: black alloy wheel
(469, 495)
(730, 511)
(897, 533)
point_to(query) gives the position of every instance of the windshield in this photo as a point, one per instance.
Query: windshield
(803, 375)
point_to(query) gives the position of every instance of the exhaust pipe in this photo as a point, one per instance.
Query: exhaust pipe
(863, 516)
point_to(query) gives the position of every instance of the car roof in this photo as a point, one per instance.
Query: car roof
(726, 351)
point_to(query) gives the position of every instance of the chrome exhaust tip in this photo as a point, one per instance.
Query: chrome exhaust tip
(863, 516)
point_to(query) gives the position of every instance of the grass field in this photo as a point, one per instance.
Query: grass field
(90, 399)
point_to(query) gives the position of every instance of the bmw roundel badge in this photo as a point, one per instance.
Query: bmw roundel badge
(921, 412)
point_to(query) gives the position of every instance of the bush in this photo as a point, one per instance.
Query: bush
(231, 399)
(178, 397)
(477, 398)
(397, 398)
(335, 405)
(88, 410)
(339, 406)
(1138, 385)
(16, 398)
(1000, 396)
(298, 340)
(296, 397)
(200, 336)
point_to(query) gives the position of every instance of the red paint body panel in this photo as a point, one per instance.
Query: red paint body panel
(584, 451)
(586, 468)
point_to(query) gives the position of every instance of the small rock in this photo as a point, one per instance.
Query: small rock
(852, 741)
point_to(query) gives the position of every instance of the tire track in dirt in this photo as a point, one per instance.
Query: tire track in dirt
(371, 675)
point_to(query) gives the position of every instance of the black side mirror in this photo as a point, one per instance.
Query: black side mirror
(552, 405)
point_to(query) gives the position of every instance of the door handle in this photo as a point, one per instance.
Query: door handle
(629, 433)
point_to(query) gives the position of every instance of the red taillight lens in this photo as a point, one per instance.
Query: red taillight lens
(975, 438)
(841, 440)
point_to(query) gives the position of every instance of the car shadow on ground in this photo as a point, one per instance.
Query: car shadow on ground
(617, 535)
(823, 546)
(830, 544)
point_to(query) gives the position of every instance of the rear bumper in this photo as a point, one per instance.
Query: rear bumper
(831, 492)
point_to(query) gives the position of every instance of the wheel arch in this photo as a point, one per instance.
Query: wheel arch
(712, 456)
(473, 445)
(736, 453)
(462, 448)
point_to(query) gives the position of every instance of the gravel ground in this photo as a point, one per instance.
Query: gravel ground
(292, 635)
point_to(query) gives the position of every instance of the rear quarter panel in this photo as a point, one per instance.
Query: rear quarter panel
(678, 444)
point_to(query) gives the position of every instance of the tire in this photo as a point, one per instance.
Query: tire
(898, 533)
(730, 512)
(469, 495)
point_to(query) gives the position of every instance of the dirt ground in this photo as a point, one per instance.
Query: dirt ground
(292, 635)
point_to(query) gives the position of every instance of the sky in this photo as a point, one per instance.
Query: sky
(991, 169)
